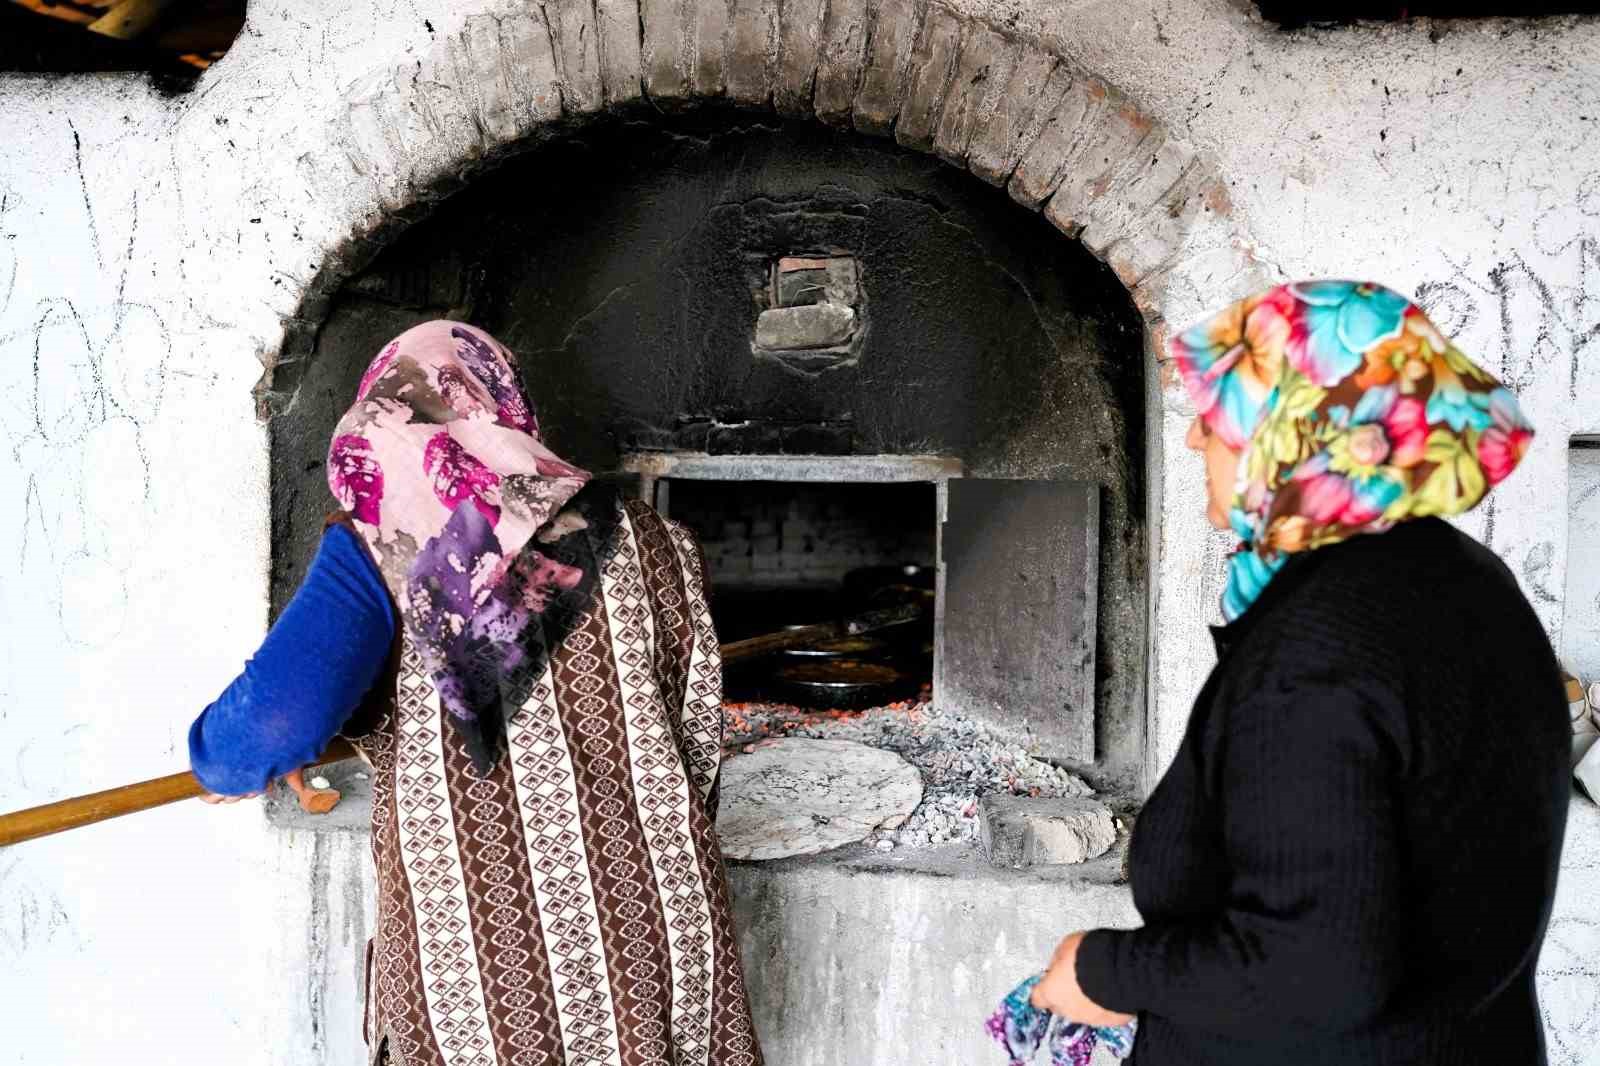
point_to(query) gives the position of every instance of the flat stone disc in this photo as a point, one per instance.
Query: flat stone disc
(797, 796)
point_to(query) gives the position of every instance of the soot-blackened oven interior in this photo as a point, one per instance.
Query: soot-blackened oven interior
(828, 357)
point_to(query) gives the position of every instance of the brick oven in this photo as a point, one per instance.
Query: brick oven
(824, 354)
(828, 351)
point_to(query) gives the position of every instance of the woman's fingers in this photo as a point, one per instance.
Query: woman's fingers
(1048, 994)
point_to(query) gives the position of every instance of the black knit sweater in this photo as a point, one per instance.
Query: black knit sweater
(1352, 857)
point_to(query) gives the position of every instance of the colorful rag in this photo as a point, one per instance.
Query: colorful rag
(1352, 413)
(440, 465)
(1021, 1029)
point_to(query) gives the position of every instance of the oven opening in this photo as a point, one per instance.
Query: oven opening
(782, 555)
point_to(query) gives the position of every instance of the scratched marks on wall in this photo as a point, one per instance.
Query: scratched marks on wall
(1535, 321)
(29, 913)
(82, 383)
(1532, 317)
(1568, 987)
(8, 251)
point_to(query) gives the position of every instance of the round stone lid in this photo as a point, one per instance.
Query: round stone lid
(797, 796)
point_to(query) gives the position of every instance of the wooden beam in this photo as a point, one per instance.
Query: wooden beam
(73, 13)
(130, 19)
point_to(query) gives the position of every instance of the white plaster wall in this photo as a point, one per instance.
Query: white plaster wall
(1580, 630)
(149, 248)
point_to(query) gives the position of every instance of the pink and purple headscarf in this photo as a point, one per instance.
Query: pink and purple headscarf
(440, 465)
(1352, 413)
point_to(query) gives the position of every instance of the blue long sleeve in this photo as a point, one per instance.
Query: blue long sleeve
(321, 657)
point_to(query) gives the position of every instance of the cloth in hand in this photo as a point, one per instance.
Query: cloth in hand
(1021, 1029)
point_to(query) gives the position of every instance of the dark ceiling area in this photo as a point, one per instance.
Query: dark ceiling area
(172, 40)
(1293, 14)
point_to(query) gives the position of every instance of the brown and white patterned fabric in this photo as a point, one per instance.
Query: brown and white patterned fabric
(570, 906)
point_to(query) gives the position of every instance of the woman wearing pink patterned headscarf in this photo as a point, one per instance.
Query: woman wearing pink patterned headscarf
(1352, 856)
(441, 469)
(527, 661)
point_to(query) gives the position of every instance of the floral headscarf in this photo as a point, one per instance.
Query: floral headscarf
(1352, 411)
(440, 465)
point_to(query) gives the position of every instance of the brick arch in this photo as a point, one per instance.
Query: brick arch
(997, 104)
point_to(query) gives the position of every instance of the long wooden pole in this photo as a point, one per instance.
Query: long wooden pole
(78, 811)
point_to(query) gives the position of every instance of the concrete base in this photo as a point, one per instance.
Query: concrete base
(867, 959)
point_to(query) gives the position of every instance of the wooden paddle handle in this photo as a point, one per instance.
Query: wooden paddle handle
(115, 802)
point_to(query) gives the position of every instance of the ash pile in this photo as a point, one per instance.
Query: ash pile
(961, 761)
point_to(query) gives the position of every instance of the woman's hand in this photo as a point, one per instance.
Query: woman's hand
(1059, 992)
(312, 800)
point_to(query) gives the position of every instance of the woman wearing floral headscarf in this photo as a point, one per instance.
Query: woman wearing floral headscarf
(1352, 857)
(539, 693)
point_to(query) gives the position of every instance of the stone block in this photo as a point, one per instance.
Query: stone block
(577, 51)
(692, 435)
(1117, 144)
(482, 63)
(713, 26)
(841, 58)
(1200, 279)
(895, 26)
(664, 48)
(1179, 219)
(799, 48)
(810, 281)
(752, 51)
(1038, 82)
(1586, 770)
(619, 50)
(837, 438)
(1141, 197)
(446, 104)
(405, 132)
(1045, 162)
(823, 325)
(901, 930)
(933, 63)
(361, 128)
(637, 437)
(743, 438)
(1116, 215)
(1021, 831)
(531, 69)
(400, 136)
(983, 72)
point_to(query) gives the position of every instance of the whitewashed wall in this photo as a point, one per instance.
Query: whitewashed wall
(150, 246)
